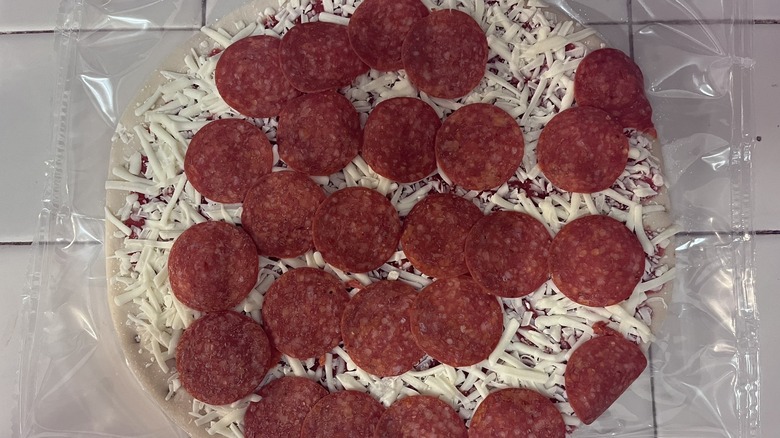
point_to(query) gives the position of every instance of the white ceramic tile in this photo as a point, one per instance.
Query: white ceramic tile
(26, 87)
(687, 72)
(13, 271)
(142, 14)
(767, 285)
(215, 9)
(77, 380)
(105, 83)
(28, 15)
(599, 11)
(766, 156)
(686, 10)
(693, 358)
(766, 9)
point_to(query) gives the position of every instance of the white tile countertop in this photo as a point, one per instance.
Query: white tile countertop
(27, 89)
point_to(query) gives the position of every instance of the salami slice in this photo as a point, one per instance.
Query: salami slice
(278, 213)
(599, 371)
(343, 414)
(607, 79)
(226, 158)
(376, 330)
(507, 254)
(356, 229)
(479, 146)
(610, 80)
(582, 150)
(212, 266)
(420, 416)
(377, 30)
(455, 322)
(302, 310)
(319, 134)
(517, 412)
(202, 349)
(638, 116)
(399, 140)
(317, 56)
(445, 54)
(435, 232)
(286, 402)
(249, 78)
(596, 261)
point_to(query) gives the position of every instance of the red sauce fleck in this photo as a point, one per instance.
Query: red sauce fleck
(354, 284)
(270, 22)
(144, 164)
(317, 6)
(526, 186)
(142, 199)
(134, 224)
(215, 51)
(570, 46)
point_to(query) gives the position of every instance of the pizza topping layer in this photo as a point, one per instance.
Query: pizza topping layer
(377, 30)
(284, 405)
(420, 416)
(377, 330)
(249, 78)
(212, 266)
(445, 54)
(226, 158)
(483, 158)
(507, 254)
(610, 80)
(517, 412)
(399, 139)
(582, 149)
(435, 232)
(278, 213)
(344, 413)
(318, 57)
(532, 59)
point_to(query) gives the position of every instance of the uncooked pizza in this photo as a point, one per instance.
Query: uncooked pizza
(375, 218)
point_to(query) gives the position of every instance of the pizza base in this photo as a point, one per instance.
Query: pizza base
(153, 380)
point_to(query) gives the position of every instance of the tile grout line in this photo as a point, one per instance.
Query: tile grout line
(630, 12)
(203, 13)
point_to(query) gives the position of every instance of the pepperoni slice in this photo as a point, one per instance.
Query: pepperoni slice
(420, 416)
(455, 322)
(435, 234)
(212, 266)
(278, 213)
(319, 134)
(250, 79)
(202, 349)
(638, 116)
(596, 261)
(285, 404)
(517, 412)
(399, 140)
(302, 310)
(356, 229)
(607, 79)
(226, 158)
(317, 56)
(599, 371)
(479, 146)
(582, 150)
(376, 330)
(377, 30)
(610, 80)
(507, 254)
(445, 54)
(347, 414)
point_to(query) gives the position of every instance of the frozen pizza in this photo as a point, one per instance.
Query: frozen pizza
(373, 218)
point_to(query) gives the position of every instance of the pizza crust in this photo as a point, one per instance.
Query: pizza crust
(153, 380)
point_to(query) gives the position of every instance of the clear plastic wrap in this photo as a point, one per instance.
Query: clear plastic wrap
(703, 375)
